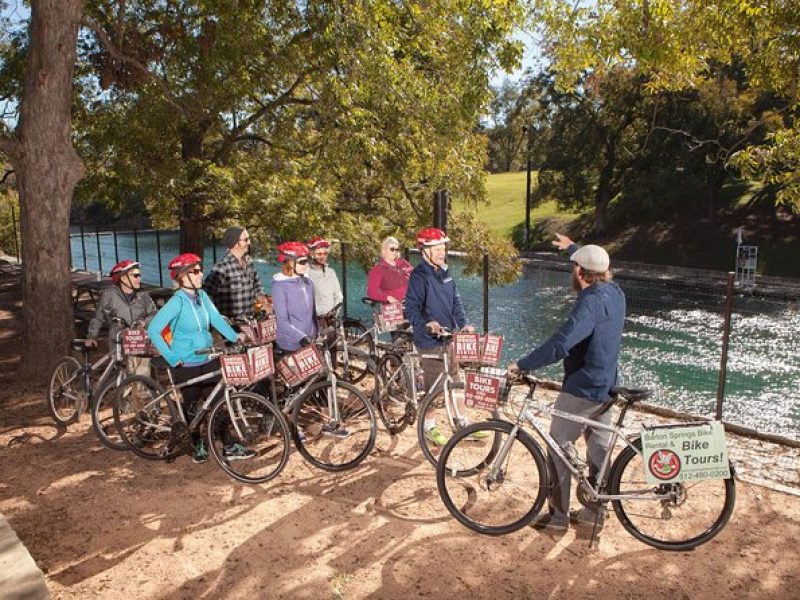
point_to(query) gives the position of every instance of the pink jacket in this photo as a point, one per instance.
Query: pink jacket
(385, 280)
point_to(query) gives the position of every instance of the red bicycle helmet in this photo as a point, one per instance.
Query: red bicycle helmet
(318, 242)
(431, 237)
(122, 267)
(291, 251)
(181, 263)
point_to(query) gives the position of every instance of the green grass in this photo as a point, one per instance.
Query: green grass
(506, 203)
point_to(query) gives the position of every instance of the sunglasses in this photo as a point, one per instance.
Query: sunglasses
(247, 239)
(302, 261)
(394, 249)
(136, 275)
(195, 271)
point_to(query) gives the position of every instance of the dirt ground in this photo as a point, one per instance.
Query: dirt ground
(106, 524)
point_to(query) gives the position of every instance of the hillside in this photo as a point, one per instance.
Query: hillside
(685, 241)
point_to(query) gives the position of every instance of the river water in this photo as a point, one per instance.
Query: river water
(672, 340)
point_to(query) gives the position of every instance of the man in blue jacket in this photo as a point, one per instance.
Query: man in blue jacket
(432, 303)
(589, 344)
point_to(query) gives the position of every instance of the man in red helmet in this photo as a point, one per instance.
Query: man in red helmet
(123, 301)
(432, 304)
(233, 283)
(327, 291)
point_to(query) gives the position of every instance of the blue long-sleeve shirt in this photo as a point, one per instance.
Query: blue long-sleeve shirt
(190, 322)
(432, 296)
(589, 343)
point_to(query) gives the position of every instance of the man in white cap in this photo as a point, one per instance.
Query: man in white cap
(589, 344)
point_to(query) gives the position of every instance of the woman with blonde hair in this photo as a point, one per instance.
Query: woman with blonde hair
(387, 281)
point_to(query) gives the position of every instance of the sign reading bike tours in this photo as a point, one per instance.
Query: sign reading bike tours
(135, 342)
(301, 365)
(241, 369)
(482, 391)
(492, 349)
(390, 317)
(268, 329)
(691, 452)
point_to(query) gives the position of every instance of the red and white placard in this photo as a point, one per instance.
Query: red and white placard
(301, 365)
(260, 362)
(492, 349)
(390, 317)
(482, 391)
(235, 369)
(250, 333)
(135, 342)
(466, 347)
(268, 329)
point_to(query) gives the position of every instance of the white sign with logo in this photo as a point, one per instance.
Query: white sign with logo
(685, 453)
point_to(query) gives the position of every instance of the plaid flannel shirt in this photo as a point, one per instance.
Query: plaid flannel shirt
(233, 288)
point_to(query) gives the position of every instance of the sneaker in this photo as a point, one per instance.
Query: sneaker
(475, 435)
(301, 435)
(237, 452)
(339, 432)
(551, 523)
(434, 435)
(588, 516)
(200, 454)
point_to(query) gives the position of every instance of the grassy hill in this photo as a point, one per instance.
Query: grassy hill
(687, 240)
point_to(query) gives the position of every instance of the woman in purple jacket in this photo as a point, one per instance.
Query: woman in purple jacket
(387, 281)
(293, 298)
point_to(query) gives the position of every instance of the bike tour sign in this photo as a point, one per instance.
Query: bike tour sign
(676, 453)
(390, 317)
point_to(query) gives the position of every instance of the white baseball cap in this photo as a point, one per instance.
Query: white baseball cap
(592, 258)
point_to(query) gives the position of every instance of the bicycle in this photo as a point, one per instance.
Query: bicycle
(506, 485)
(401, 400)
(353, 353)
(75, 386)
(333, 423)
(152, 423)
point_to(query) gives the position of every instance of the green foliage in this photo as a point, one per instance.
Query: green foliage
(676, 44)
(338, 119)
(8, 227)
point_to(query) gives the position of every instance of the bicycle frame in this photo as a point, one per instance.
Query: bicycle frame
(527, 415)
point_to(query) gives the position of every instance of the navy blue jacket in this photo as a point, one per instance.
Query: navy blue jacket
(432, 296)
(589, 342)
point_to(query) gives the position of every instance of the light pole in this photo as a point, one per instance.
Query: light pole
(528, 130)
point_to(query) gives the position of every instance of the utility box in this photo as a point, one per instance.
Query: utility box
(746, 263)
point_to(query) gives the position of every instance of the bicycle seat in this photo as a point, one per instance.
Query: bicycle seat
(370, 301)
(80, 344)
(631, 394)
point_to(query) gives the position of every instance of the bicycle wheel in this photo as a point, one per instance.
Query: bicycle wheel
(103, 418)
(329, 443)
(505, 492)
(67, 396)
(248, 437)
(359, 364)
(144, 417)
(391, 394)
(449, 417)
(669, 516)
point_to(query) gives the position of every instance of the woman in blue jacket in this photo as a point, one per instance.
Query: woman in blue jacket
(190, 314)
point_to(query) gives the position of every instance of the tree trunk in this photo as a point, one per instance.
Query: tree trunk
(191, 217)
(603, 196)
(47, 168)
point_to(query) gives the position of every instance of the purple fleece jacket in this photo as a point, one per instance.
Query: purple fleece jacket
(293, 303)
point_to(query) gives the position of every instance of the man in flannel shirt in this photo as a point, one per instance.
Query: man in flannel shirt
(233, 284)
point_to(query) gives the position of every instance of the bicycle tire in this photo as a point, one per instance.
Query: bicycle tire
(103, 418)
(499, 504)
(654, 522)
(391, 394)
(66, 391)
(360, 364)
(320, 444)
(433, 407)
(144, 417)
(264, 431)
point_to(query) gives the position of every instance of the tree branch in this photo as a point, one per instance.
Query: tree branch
(116, 54)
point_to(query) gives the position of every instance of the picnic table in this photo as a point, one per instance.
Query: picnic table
(86, 291)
